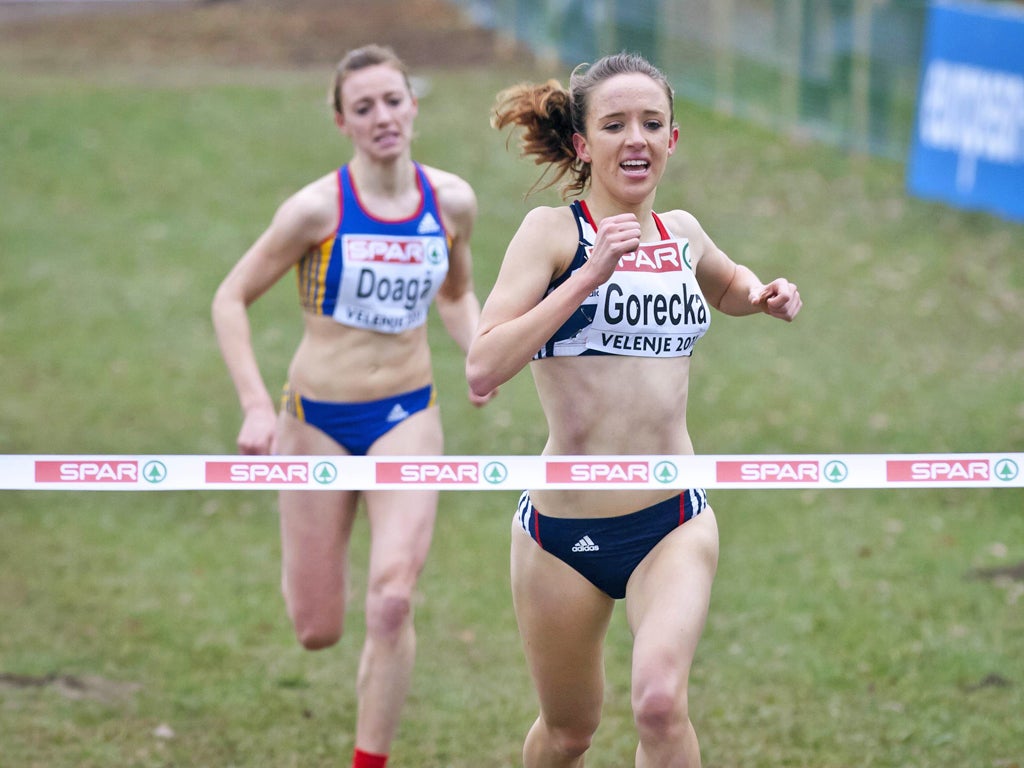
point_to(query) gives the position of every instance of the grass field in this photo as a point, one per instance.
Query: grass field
(848, 628)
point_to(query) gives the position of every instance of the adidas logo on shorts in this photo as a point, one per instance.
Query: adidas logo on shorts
(586, 544)
(397, 413)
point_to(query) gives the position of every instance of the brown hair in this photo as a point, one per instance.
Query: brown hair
(361, 58)
(549, 116)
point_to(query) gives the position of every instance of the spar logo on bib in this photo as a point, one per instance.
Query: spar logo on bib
(428, 472)
(612, 472)
(657, 257)
(257, 472)
(938, 470)
(795, 472)
(101, 472)
(385, 250)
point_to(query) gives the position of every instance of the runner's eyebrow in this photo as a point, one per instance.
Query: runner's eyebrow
(620, 114)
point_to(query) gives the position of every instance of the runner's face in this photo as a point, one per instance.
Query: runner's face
(378, 111)
(630, 135)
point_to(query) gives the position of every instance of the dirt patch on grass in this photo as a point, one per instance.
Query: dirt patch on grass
(60, 36)
(76, 687)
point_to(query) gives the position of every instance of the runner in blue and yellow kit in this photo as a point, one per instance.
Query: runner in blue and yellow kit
(605, 300)
(374, 244)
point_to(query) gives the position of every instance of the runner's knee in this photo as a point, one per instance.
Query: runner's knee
(387, 613)
(659, 711)
(315, 633)
(316, 627)
(570, 742)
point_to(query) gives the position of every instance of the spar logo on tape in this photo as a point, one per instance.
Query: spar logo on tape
(428, 472)
(614, 472)
(938, 469)
(768, 472)
(100, 472)
(257, 472)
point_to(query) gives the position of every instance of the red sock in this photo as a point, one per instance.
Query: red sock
(362, 759)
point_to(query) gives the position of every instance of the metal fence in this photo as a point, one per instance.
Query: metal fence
(840, 71)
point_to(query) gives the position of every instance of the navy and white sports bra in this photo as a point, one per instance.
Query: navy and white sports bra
(651, 306)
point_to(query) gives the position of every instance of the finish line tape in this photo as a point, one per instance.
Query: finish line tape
(507, 473)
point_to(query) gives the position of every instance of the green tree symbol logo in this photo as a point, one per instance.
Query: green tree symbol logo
(1006, 470)
(154, 472)
(434, 252)
(665, 472)
(836, 471)
(686, 258)
(495, 472)
(325, 473)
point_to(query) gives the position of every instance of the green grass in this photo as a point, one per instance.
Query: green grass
(846, 629)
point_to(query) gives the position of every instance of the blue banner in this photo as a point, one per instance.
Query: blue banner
(968, 144)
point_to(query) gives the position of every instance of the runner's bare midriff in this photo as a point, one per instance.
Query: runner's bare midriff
(341, 364)
(627, 410)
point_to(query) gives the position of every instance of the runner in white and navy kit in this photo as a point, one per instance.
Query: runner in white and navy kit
(606, 300)
(374, 245)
